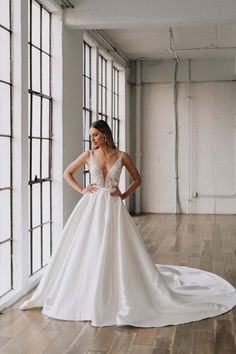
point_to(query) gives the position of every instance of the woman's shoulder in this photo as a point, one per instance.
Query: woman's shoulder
(122, 154)
(85, 156)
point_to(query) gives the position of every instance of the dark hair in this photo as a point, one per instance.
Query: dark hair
(104, 128)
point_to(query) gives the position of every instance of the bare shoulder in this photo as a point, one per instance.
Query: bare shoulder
(125, 157)
(85, 156)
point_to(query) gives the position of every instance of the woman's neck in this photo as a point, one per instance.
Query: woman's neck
(105, 149)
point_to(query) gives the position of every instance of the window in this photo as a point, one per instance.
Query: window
(115, 108)
(102, 88)
(103, 79)
(87, 109)
(40, 136)
(6, 134)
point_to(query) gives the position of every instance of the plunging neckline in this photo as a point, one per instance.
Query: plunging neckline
(105, 178)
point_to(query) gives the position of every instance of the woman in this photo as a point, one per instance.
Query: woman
(101, 270)
(106, 155)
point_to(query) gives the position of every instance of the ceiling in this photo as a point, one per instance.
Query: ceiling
(141, 29)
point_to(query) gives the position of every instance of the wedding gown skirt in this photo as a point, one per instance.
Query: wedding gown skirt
(101, 271)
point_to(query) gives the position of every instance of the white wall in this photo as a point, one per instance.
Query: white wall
(207, 137)
(72, 110)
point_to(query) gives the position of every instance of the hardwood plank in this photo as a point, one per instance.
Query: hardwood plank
(224, 339)
(194, 262)
(17, 325)
(218, 268)
(203, 342)
(82, 341)
(145, 336)
(65, 337)
(41, 342)
(140, 349)
(206, 325)
(164, 340)
(184, 339)
(4, 341)
(123, 341)
(8, 316)
(103, 339)
(20, 341)
(206, 263)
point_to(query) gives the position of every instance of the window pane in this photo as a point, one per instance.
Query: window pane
(45, 158)
(36, 245)
(45, 30)
(29, 73)
(104, 100)
(36, 204)
(87, 125)
(87, 178)
(45, 118)
(46, 243)
(87, 145)
(113, 78)
(99, 69)
(104, 73)
(5, 267)
(36, 23)
(5, 55)
(30, 207)
(87, 72)
(115, 107)
(35, 158)
(4, 13)
(5, 162)
(5, 215)
(36, 109)
(46, 201)
(4, 108)
(99, 98)
(35, 69)
(87, 93)
(45, 73)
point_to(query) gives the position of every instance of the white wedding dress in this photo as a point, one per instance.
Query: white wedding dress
(101, 271)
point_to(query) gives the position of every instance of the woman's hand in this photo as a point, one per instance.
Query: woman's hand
(91, 188)
(115, 192)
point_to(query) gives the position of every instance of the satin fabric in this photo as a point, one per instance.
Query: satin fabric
(101, 271)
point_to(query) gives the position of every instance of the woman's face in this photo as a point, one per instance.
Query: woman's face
(97, 137)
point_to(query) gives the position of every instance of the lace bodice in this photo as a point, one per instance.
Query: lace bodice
(113, 175)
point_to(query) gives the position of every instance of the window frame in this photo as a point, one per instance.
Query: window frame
(10, 137)
(43, 98)
(102, 87)
(87, 108)
(116, 105)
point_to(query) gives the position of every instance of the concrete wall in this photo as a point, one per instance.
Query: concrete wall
(207, 137)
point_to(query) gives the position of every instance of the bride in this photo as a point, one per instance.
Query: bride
(102, 272)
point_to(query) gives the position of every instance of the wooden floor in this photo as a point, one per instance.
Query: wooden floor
(203, 241)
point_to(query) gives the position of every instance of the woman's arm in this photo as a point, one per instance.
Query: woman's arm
(127, 162)
(134, 173)
(72, 168)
